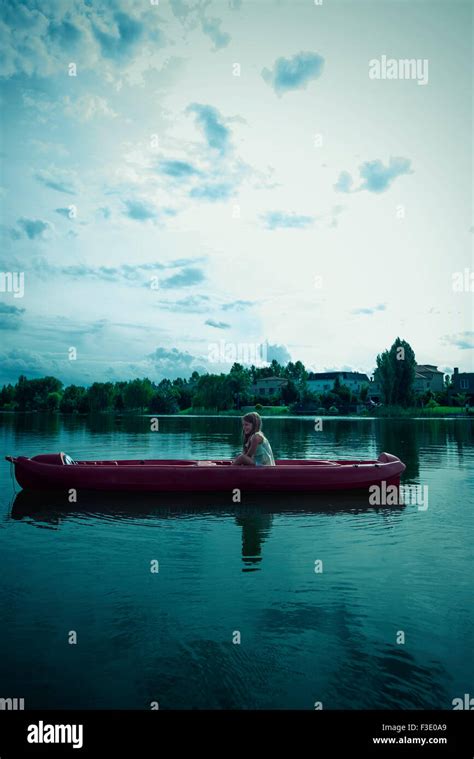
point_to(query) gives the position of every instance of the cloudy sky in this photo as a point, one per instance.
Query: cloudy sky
(175, 174)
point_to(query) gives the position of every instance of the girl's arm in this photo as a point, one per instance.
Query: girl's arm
(254, 441)
(247, 457)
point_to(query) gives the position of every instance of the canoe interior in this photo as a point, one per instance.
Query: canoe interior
(177, 463)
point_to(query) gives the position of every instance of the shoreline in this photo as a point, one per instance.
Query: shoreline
(418, 414)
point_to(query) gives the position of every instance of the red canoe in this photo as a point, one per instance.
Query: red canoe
(59, 472)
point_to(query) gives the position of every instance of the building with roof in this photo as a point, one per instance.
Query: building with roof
(462, 382)
(323, 382)
(269, 386)
(428, 377)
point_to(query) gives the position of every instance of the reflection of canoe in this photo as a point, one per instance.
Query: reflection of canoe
(60, 472)
(51, 506)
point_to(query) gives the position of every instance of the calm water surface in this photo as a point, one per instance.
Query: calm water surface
(248, 567)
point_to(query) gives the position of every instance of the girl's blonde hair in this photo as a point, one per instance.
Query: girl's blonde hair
(256, 422)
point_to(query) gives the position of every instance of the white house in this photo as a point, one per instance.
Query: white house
(323, 382)
(427, 377)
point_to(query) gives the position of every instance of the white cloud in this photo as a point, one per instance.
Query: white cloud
(56, 178)
(87, 107)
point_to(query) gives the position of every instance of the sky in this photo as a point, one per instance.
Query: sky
(184, 183)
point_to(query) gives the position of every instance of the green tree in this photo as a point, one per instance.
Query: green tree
(396, 374)
(7, 396)
(53, 401)
(276, 369)
(32, 395)
(239, 379)
(74, 399)
(164, 401)
(384, 376)
(342, 392)
(289, 392)
(305, 395)
(213, 391)
(119, 396)
(183, 392)
(100, 396)
(165, 398)
(295, 371)
(138, 393)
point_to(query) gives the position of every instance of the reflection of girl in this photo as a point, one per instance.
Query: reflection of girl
(257, 451)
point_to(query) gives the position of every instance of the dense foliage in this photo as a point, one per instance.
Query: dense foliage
(395, 375)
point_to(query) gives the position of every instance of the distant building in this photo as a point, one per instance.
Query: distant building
(462, 382)
(323, 382)
(270, 386)
(428, 377)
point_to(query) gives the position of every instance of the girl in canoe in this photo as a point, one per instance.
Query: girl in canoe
(257, 451)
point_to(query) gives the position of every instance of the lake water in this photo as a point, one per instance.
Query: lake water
(248, 568)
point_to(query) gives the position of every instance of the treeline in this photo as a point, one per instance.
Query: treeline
(209, 391)
(49, 394)
(394, 375)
